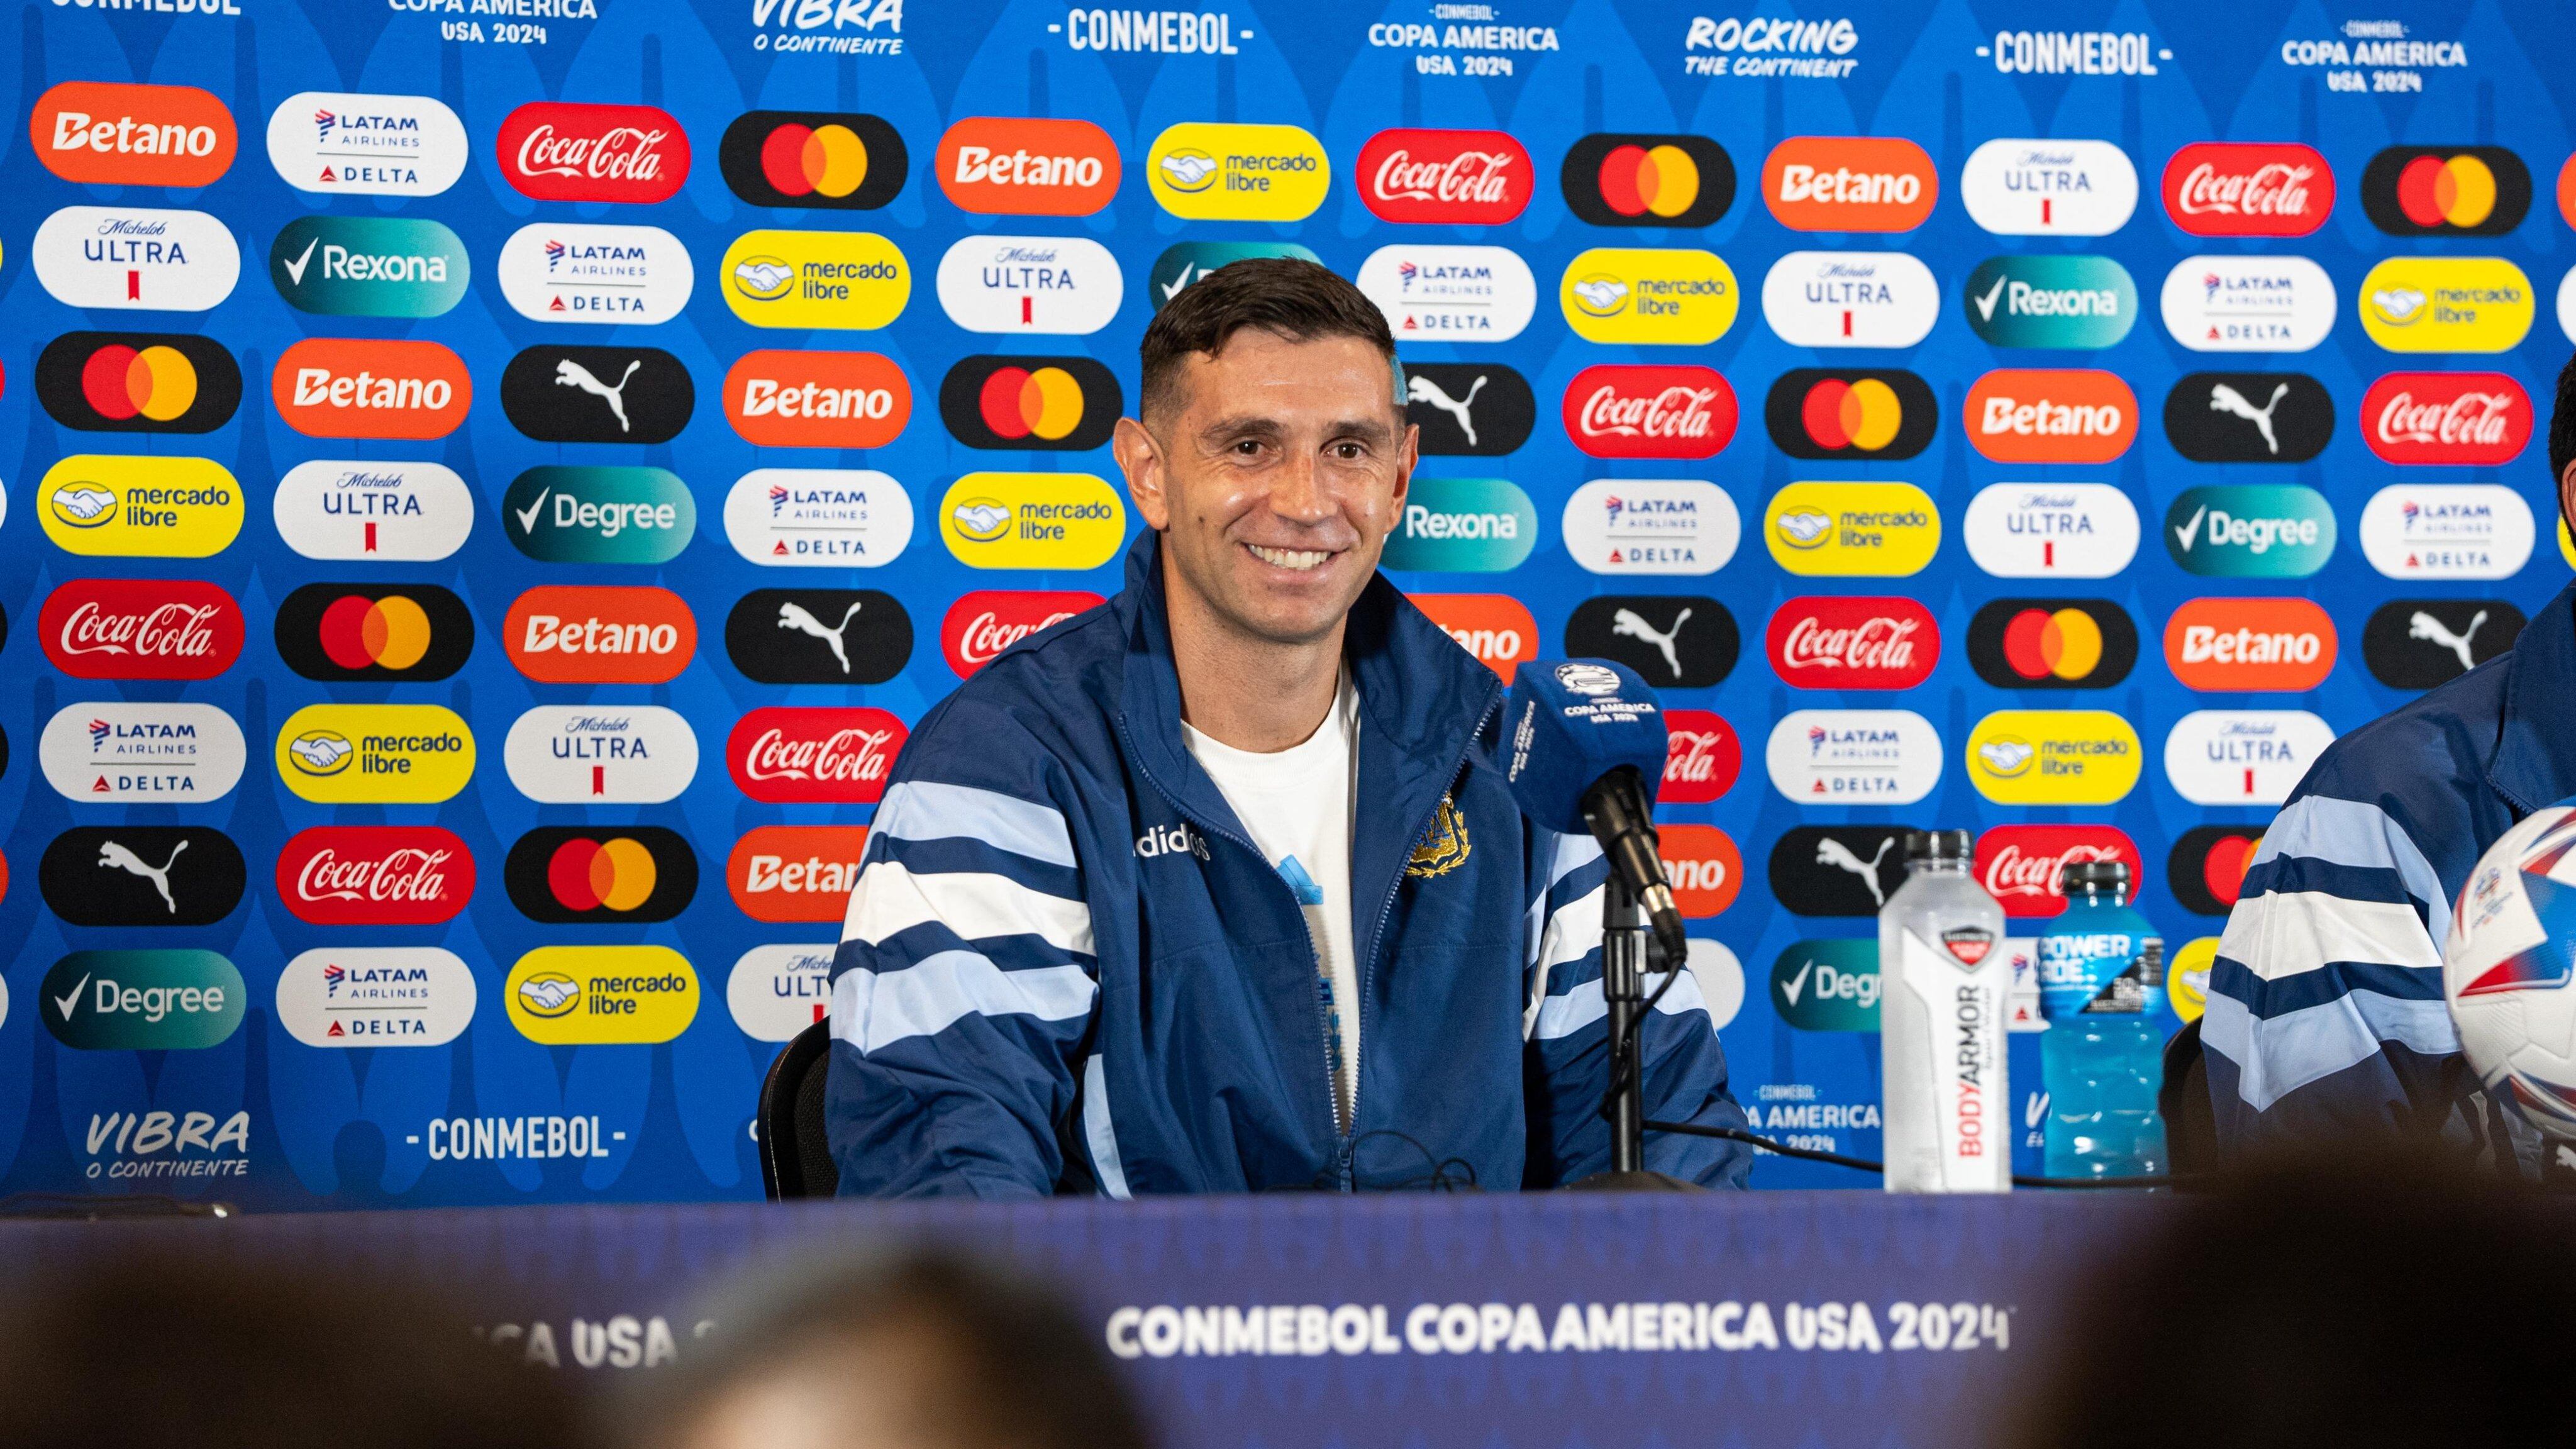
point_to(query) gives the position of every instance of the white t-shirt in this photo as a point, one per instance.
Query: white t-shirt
(1296, 804)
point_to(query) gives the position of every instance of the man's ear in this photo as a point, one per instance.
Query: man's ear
(2567, 495)
(1407, 454)
(1140, 457)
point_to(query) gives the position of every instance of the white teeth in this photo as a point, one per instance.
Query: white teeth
(1290, 558)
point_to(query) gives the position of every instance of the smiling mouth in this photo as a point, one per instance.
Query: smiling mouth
(1299, 559)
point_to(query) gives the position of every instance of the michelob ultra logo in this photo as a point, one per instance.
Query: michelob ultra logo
(2233, 188)
(2446, 191)
(1064, 285)
(107, 133)
(1463, 525)
(2017, 415)
(775, 992)
(135, 258)
(1450, 294)
(1027, 166)
(2446, 304)
(1827, 985)
(140, 629)
(839, 160)
(1067, 521)
(600, 755)
(139, 507)
(396, 512)
(575, 875)
(2254, 531)
(333, 387)
(1651, 526)
(1849, 183)
(842, 280)
(2248, 304)
(2052, 643)
(1224, 171)
(1879, 529)
(1184, 264)
(1462, 178)
(1676, 296)
(112, 1001)
(1058, 404)
(376, 996)
(1871, 413)
(2250, 644)
(601, 995)
(2447, 531)
(1850, 299)
(374, 632)
(1497, 628)
(576, 272)
(375, 754)
(777, 398)
(107, 752)
(784, 873)
(1637, 179)
(599, 515)
(138, 382)
(2054, 757)
(818, 517)
(585, 634)
(2243, 756)
(349, 143)
(2024, 186)
(1853, 756)
(2051, 301)
(368, 266)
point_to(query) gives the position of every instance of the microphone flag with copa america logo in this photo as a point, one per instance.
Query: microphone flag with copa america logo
(1568, 723)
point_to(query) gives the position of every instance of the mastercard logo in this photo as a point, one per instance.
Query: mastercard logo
(1846, 413)
(137, 382)
(2052, 644)
(1620, 179)
(567, 874)
(359, 633)
(812, 158)
(1062, 404)
(157, 382)
(588, 875)
(2446, 190)
(374, 631)
(1860, 416)
(2208, 866)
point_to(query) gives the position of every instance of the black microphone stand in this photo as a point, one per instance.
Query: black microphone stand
(1623, 989)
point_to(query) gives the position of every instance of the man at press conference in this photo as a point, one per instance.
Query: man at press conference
(1217, 888)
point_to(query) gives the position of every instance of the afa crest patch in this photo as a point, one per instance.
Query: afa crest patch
(1445, 847)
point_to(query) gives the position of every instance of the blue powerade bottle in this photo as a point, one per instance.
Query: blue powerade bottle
(2102, 987)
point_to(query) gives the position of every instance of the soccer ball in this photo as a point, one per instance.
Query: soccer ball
(2509, 969)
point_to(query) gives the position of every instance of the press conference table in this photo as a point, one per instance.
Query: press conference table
(1800, 1319)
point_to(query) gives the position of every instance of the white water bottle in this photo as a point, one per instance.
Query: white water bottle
(1944, 988)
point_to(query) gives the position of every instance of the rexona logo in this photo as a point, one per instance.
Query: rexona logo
(2206, 871)
(375, 754)
(125, 1001)
(586, 634)
(106, 133)
(1850, 299)
(573, 875)
(1673, 641)
(601, 995)
(1064, 285)
(2470, 419)
(1224, 171)
(785, 873)
(395, 512)
(2072, 416)
(2023, 866)
(2420, 643)
(2242, 756)
(1865, 413)
(135, 258)
(1068, 521)
(142, 875)
(140, 629)
(1702, 758)
(2054, 757)
(2023, 186)
(345, 143)
(818, 517)
(1183, 264)
(1853, 642)
(1837, 870)
(561, 151)
(774, 992)
(2447, 531)
(1647, 179)
(599, 515)
(1827, 985)
(1678, 297)
(331, 387)
(586, 755)
(1027, 166)
(606, 275)
(1849, 183)
(2249, 417)
(777, 398)
(985, 622)
(2250, 644)
(1469, 410)
(1704, 867)
(559, 394)
(841, 280)
(368, 266)
(1887, 530)
(2051, 301)
(376, 996)
(818, 636)
(2052, 530)
(1450, 294)
(2234, 188)
(1651, 526)
(1497, 628)
(2248, 304)
(137, 382)
(1461, 178)
(139, 507)
(837, 160)
(374, 632)
(375, 875)
(814, 756)
(107, 752)
(1055, 404)
(2052, 643)
(2260, 531)
(1853, 756)
(2446, 191)
(1463, 525)
(1616, 411)
(2446, 304)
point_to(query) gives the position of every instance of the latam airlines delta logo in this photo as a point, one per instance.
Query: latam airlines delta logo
(1068, 286)
(601, 995)
(2447, 304)
(1450, 294)
(2051, 301)
(1651, 526)
(1849, 183)
(111, 134)
(603, 275)
(1459, 178)
(2248, 304)
(108, 752)
(1850, 299)
(387, 388)
(1027, 166)
(376, 996)
(375, 754)
(1227, 171)
(818, 517)
(1065, 521)
(2021, 186)
(2054, 757)
(1853, 756)
(2447, 531)
(586, 755)
(350, 143)
(1463, 525)
(1649, 295)
(841, 280)
(1888, 530)
(139, 507)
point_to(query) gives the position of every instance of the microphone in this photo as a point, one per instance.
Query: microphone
(1586, 744)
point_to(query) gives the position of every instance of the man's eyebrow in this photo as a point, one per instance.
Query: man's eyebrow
(1228, 430)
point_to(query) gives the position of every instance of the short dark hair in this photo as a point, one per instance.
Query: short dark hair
(1289, 296)
(2562, 425)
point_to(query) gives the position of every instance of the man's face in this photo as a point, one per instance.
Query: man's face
(1275, 480)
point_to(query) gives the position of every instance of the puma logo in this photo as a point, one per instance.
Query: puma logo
(1830, 851)
(794, 616)
(295, 268)
(1628, 624)
(2421, 625)
(1418, 388)
(2225, 399)
(569, 373)
(114, 856)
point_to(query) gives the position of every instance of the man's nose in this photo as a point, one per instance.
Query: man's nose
(1300, 493)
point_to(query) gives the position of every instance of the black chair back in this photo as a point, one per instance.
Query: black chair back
(2191, 1126)
(795, 1156)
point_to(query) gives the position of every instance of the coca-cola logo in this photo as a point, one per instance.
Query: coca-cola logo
(984, 623)
(375, 875)
(2021, 865)
(1702, 759)
(814, 756)
(140, 629)
(1615, 411)
(558, 151)
(1464, 178)
(2474, 419)
(2227, 188)
(1853, 643)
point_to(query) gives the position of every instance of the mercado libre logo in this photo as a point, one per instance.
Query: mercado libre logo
(1229, 171)
(1883, 529)
(835, 160)
(2054, 757)
(159, 507)
(601, 995)
(369, 266)
(837, 280)
(2447, 304)
(1061, 521)
(2051, 301)
(1658, 296)
(1058, 404)
(1859, 413)
(2446, 191)
(375, 754)
(142, 1000)
(137, 382)
(1647, 179)
(107, 133)
(374, 632)
(1463, 525)
(575, 875)
(2052, 643)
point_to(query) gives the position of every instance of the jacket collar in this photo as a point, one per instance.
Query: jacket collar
(2535, 754)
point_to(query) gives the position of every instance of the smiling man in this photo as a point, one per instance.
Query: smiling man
(1216, 888)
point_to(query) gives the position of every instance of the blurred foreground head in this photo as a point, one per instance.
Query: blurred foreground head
(919, 1351)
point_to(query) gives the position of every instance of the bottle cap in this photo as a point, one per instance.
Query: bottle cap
(2093, 875)
(1939, 845)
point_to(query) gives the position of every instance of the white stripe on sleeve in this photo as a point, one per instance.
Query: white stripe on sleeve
(891, 899)
(2287, 933)
(871, 1011)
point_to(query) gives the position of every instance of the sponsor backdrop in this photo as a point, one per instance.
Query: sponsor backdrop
(489, 484)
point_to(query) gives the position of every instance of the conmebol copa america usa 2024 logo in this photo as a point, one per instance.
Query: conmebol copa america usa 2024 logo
(110, 752)
(1850, 299)
(2027, 186)
(1651, 526)
(818, 517)
(601, 755)
(363, 144)
(1853, 756)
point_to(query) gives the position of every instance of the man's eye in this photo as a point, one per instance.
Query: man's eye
(1247, 448)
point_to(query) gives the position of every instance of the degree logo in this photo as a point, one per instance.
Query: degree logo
(1837, 870)
(375, 754)
(1651, 526)
(374, 632)
(330, 387)
(818, 636)
(777, 398)
(1849, 183)
(2054, 757)
(2263, 531)
(2052, 643)
(814, 756)
(559, 394)
(106, 752)
(2051, 301)
(376, 996)
(1497, 628)
(1658, 296)
(1887, 530)
(2206, 871)
(1617, 411)
(601, 995)
(106, 133)
(1058, 404)
(599, 515)
(2249, 417)
(1702, 759)
(1851, 642)
(2472, 419)
(774, 992)
(375, 875)
(2242, 756)
(796, 873)
(1850, 299)
(142, 875)
(2446, 191)
(1673, 641)
(1469, 410)
(981, 624)
(2421, 643)
(1064, 285)
(586, 634)
(603, 275)
(2446, 304)
(369, 266)
(2022, 866)
(1463, 525)
(562, 151)
(2222, 645)
(1867, 413)
(2069, 416)
(140, 629)
(591, 755)
(2023, 186)
(138, 382)
(2447, 531)
(131, 258)
(2234, 188)
(1457, 178)
(393, 512)
(357, 144)
(1703, 866)
(1063, 521)
(139, 507)
(2248, 304)
(1027, 166)
(1647, 179)
(1853, 756)
(1183, 264)
(573, 875)
(1827, 985)
(104, 1001)
(839, 280)
(818, 517)
(837, 160)
(1451, 294)
(1223, 171)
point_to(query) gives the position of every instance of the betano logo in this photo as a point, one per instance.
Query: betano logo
(1621, 179)
(1027, 166)
(2054, 757)
(139, 507)
(2446, 304)
(1703, 866)
(840, 280)
(1063, 521)
(601, 995)
(2218, 645)
(788, 873)
(331, 387)
(375, 754)
(2249, 531)
(1849, 183)
(843, 161)
(582, 634)
(1816, 412)
(558, 514)
(1497, 628)
(2051, 301)
(2055, 416)
(1223, 171)
(776, 398)
(369, 266)
(1885, 530)
(107, 133)
(2446, 190)
(1671, 296)
(1463, 525)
